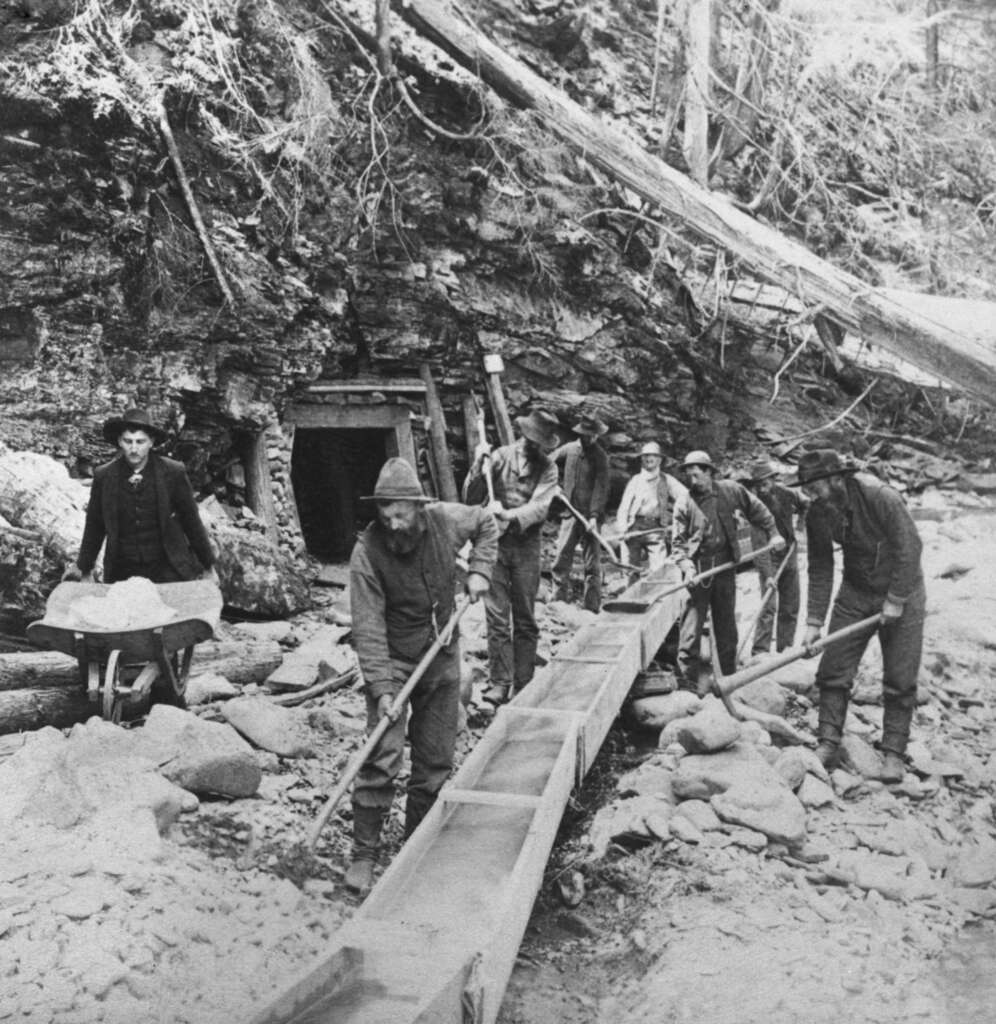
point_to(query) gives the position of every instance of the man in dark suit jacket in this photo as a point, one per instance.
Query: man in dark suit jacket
(142, 504)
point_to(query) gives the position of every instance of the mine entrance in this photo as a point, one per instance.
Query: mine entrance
(330, 471)
(343, 433)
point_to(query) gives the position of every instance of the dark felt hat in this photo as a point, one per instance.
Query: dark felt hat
(539, 427)
(762, 469)
(397, 481)
(133, 419)
(819, 464)
(590, 426)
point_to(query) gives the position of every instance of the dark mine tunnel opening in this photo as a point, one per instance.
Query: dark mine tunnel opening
(331, 469)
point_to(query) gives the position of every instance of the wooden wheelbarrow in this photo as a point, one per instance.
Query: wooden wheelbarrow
(134, 666)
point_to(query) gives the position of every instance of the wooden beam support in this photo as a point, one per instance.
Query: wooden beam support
(857, 307)
(437, 437)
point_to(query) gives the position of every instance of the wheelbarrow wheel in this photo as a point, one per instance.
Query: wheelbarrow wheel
(171, 686)
(110, 699)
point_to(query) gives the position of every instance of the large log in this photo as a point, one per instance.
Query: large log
(49, 705)
(877, 318)
(239, 661)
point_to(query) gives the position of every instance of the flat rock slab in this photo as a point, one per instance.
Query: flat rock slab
(283, 731)
(647, 780)
(774, 810)
(320, 657)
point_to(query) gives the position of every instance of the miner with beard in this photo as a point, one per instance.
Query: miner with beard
(524, 482)
(881, 575)
(402, 586)
(705, 536)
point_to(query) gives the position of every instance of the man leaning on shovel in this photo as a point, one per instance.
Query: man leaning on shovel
(881, 575)
(402, 583)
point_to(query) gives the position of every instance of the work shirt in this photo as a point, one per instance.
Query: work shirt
(586, 477)
(649, 497)
(878, 537)
(399, 602)
(705, 524)
(784, 503)
(525, 488)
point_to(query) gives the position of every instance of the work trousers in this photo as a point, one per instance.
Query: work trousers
(571, 532)
(786, 598)
(719, 596)
(901, 642)
(432, 730)
(509, 607)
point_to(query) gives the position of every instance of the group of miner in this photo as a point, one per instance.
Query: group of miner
(404, 564)
(407, 564)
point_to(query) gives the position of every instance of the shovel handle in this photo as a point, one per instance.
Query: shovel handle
(748, 675)
(769, 590)
(716, 570)
(602, 542)
(358, 759)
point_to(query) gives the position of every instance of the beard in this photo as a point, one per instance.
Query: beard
(402, 542)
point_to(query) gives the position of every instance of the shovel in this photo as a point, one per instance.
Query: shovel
(769, 590)
(390, 716)
(635, 605)
(726, 685)
(602, 542)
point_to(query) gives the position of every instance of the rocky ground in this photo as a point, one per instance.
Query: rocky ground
(125, 898)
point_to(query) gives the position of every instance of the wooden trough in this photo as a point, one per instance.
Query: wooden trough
(436, 939)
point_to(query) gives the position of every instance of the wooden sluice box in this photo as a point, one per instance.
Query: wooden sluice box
(436, 939)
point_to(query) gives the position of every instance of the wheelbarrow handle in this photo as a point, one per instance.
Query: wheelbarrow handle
(392, 714)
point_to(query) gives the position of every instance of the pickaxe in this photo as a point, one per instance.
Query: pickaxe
(589, 529)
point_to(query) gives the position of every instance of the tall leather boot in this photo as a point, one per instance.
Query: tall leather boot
(833, 714)
(417, 806)
(897, 714)
(367, 824)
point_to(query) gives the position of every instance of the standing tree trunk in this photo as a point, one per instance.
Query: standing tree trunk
(698, 32)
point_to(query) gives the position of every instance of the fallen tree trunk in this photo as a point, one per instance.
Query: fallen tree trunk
(239, 661)
(869, 313)
(48, 705)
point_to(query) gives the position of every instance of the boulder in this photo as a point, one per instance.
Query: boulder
(700, 776)
(204, 757)
(656, 712)
(710, 730)
(647, 780)
(799, 676)
(880, 873)
(626, 821)
(207, 687)
(282, 731)
(773, 810)
(794, 763)
(765, 695)
(815, 793)
(255, 575)
(699, 813)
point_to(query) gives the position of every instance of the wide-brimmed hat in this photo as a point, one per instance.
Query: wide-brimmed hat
(762, 469)
(590, 426)
(539, 427)
(698, 458)
(820, 463)
(397, 481)
(132, 419)
(652, 448)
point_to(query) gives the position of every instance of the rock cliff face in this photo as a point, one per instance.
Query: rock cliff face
(413, 247)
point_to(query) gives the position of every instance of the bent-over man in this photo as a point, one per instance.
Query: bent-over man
(524, 481)
(881, 574)
(586, 487)
(402, 582)
(705, 535)
(142, 504)
(784, 504)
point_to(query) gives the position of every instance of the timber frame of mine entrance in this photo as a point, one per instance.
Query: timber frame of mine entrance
(436, 940)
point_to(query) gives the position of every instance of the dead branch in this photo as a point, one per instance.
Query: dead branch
(795, 438)
(188, 194)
